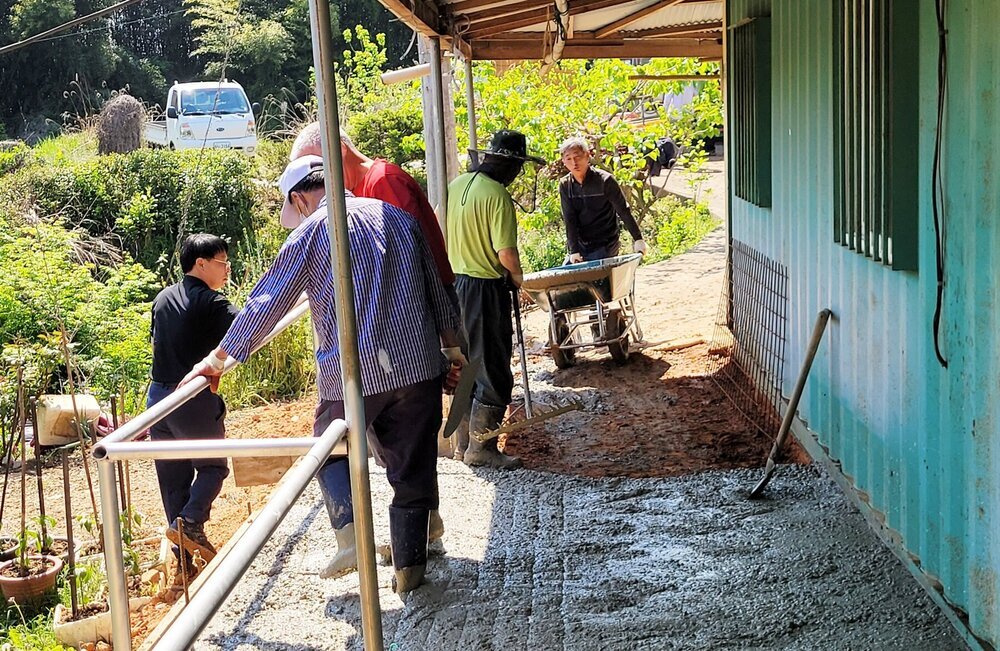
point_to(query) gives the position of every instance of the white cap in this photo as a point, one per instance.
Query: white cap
(297, 170)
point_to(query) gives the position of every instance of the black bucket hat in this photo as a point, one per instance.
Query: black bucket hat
(509, 144)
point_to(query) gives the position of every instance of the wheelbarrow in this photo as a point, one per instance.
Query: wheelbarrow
(590, 305)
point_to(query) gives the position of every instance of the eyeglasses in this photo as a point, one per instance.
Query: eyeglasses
(229, 265)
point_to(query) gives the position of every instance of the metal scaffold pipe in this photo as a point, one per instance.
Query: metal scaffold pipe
(209, 597)
(347, 327)
(440, 169)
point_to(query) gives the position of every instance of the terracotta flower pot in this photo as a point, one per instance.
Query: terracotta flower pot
(29, 588)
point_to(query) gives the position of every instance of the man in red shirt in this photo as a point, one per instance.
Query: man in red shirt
(388, 182)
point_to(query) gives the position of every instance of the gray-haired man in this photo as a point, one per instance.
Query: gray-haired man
(592, 203)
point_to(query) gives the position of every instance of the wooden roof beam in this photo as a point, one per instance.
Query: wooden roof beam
(419, 15)
(533, 17)
(502, 10)
(608, 30)
(530, 51)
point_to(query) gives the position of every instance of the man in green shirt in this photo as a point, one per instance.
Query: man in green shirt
(482, 249)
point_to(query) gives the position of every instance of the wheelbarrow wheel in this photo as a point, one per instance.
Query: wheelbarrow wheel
(614, 326)
(563, 357)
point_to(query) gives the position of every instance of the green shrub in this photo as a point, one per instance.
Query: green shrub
(104, 311)
(542, 248)
(13, 157)
(677, 225)
(149, 198)
(395, 134)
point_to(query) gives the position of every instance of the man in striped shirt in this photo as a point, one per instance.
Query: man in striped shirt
(403, 315)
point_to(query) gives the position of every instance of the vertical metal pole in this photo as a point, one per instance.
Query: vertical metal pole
(71, 552)
(470, 104)
(441, 166)
(347, 327)
(114, 560)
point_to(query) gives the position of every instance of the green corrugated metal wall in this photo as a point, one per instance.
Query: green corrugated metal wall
(921, 442)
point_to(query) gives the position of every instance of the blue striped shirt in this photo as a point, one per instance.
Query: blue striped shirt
(401, 305)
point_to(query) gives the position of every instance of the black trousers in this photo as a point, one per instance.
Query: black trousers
(402, 433)
(188, 487)
(486, 315)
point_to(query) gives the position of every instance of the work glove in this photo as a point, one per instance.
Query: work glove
(575, 258)
(456, 362)
(639, 246)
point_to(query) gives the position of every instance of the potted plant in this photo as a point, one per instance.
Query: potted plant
(28, 577)
(92, 621)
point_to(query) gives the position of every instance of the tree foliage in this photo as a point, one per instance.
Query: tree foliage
(264, 44)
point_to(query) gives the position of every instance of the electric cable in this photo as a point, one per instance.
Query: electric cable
(937, 182)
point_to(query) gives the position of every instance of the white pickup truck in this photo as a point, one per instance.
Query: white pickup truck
(206, 114)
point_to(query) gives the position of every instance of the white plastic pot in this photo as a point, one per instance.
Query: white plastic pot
(57, 418)
(95, 628)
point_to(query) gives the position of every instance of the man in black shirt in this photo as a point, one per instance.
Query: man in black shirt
(189, 320)
(592, 204)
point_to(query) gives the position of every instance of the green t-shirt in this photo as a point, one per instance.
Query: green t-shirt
(481, 221)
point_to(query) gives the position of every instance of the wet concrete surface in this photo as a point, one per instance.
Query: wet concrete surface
(541, 561)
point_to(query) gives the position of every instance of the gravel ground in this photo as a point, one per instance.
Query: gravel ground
(542, 561)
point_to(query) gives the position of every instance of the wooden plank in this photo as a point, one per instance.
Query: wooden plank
(486, 50)
(260, 471)
(608, 30)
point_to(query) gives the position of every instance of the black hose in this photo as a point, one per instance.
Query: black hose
(937, 183)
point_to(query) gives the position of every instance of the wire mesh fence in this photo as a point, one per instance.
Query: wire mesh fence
(748, 347)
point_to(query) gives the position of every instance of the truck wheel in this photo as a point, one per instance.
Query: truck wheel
(563, 357)
(613, 327)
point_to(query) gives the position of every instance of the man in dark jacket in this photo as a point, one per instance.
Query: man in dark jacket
(189, 320)
(592, 204)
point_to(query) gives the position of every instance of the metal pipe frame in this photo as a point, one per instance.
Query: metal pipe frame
(114, 560)
(212, 448)
(441, 162)
(114, 557)
(206, 601)
(160, 410)
(324, 61)
(470, 104)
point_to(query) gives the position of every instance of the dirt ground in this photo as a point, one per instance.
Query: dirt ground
(659, 415)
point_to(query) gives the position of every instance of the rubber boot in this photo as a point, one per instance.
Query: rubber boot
(346, 558)
(486, 418)
(461, 439)
(435, 532)
(408, 532)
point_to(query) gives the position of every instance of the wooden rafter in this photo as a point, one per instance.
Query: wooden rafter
(419, 15)
(533, 17)
(464, 6)
(502, 10)
(607, 30)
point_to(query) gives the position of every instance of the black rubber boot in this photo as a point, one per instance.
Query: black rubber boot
(408, 532)
(484, 419)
